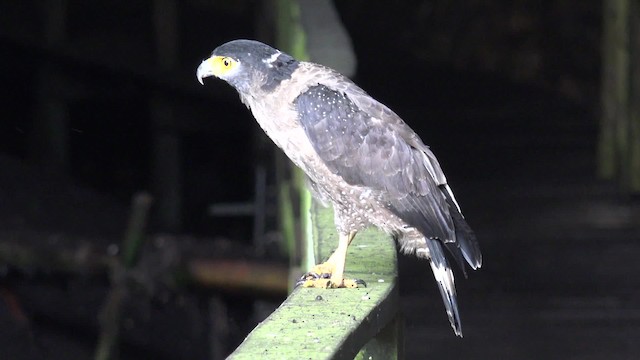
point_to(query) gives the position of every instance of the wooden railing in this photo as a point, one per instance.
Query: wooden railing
(360, 323)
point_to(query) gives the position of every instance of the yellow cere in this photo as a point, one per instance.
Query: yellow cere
(220, 65)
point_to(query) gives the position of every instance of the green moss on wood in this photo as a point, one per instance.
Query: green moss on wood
(334, 323)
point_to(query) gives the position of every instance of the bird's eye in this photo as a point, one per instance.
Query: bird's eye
(222, 65)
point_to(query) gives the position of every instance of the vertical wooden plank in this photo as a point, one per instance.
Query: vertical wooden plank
(219, 327)
(55, 28)
(49, 139)
(111, 312)
(634, 100)
(166, 171)
(165, 20)
(615, 65)
(294, 199)
(619, 143)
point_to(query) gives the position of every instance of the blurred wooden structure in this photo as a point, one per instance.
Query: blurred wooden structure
(619, 147)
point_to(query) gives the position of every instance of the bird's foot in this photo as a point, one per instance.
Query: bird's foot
(322, 276)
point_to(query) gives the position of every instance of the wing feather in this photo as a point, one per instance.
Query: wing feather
(368, 145)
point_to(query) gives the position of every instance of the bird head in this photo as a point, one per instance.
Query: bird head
(248, 66)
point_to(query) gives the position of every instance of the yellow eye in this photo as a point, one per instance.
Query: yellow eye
(219, 66)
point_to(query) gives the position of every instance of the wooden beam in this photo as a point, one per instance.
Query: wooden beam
(334, 323)
(25, 253)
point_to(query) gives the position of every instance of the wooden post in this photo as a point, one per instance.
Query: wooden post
(166, 171)
(619, 143)
(111, 314)
(49, 139)
(293, 198)
(219, 327)
(634, 99)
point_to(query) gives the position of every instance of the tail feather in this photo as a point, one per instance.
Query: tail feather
(466, 242)
(444, 277)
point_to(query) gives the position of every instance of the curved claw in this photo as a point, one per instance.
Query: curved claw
(306, 277)
(299, 282)
(353, 283)
(311, 277)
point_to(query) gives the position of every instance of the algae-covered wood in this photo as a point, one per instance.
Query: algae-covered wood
(333, 323)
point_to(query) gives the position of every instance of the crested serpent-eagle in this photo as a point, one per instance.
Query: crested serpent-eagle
(358, 155)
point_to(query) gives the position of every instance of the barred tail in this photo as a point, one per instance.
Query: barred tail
(444, 277)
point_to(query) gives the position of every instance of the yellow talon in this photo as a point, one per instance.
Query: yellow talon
(330, 274)
(317, 283)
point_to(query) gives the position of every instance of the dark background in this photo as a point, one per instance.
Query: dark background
(506, 93)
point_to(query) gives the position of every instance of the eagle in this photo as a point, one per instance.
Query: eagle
(358, 155)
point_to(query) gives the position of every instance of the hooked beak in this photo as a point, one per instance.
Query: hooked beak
(206, 69)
